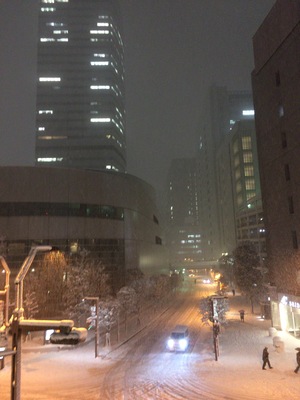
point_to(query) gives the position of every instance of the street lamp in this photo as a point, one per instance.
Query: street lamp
(6, 288)
(96, 299)
(18, 315)
(3, 328)
(66, 332)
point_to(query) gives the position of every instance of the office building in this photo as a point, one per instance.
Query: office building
(80, 115)
(76, 210)
(276, 91)
(184, 232)
(223, 109)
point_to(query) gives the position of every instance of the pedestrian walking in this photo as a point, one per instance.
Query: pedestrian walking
(265, 358)
(107, 337)
(298, 361)
(242, 315)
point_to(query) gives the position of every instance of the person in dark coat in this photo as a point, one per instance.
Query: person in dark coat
(265, 357)
(242, 315)
(298, 361)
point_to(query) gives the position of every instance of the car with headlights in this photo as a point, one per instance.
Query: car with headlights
(178, 339)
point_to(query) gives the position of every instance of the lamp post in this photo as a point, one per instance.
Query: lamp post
(3, 340)
(96, 299)
(6, 288)
(18, 315)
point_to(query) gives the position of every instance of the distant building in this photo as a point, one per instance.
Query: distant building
(111, 215)
(224, 108)
(240, 205)
(249, 219)
(80, 114)
(276, 91)
(183, 233)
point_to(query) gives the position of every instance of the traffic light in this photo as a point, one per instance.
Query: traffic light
(68, 336)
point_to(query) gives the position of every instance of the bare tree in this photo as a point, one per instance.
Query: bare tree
(47, 281)
(128, 300)
(247, 272)
(86, 277)
(108, 313)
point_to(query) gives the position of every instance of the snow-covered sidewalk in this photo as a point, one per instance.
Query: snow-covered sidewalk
(237, 375)
(238, 372)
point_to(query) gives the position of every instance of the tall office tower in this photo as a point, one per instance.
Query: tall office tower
(80, 119)
(276, 91)
(223, 109)
(183, 234)
(241, 213)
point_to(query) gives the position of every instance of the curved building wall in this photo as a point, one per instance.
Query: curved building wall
(112, 215)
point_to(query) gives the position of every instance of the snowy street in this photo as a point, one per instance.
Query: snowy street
(142, 368)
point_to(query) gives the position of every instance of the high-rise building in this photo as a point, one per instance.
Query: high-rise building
(183, 236)
(276, 92)
(80, 121)
(249, 219)
(223, 109)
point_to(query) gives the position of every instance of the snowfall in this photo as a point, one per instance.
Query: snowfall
(60, 373)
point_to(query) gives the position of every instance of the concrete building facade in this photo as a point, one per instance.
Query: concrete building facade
(111, 215)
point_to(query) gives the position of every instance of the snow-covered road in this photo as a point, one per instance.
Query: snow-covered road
(143, 369)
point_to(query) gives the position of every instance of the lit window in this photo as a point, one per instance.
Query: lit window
(99, 32)
(99, 63)
(248, 112)
(54, 24)
(246, 143)
(250, 184)
(52, 137)
(48, 9)
(248, 157)
(49, 79)
(47, 40)
(45, 111)
(100, 87)
(49, 159)
(102, 24)
(100, 119)
(249, 170)
(41, 128)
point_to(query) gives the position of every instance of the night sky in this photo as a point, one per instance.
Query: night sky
(174, 50)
